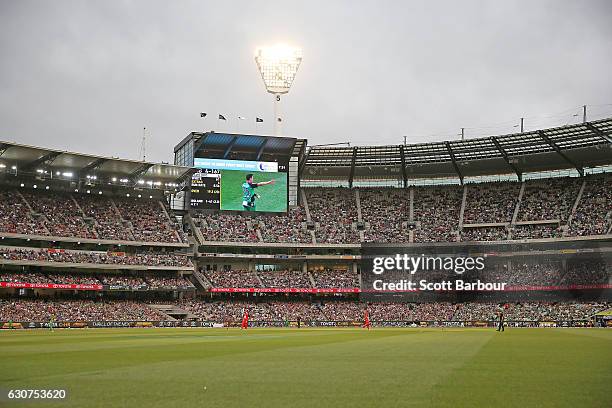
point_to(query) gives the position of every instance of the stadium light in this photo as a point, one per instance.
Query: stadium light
(278, 66)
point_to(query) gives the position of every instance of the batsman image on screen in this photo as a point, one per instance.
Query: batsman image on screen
(253, 191)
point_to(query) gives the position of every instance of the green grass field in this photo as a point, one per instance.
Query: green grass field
(273, 198)
(312, 367)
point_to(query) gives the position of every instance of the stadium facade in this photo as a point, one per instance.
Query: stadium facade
(99, 242)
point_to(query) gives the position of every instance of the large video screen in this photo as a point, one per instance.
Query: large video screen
(239, 185)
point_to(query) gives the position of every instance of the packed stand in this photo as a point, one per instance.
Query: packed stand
(75, 310)
(108, 224)
(227, 228)
(490, 202)
(168, 282)
(484, 234)
(228, 311)
(63, 217)
(285, 279)
(149, 220)
(587, 273)
(29, 277)
(385, 211)
(233, 279)
(335, 278)
(114, 258)
(437, 210)
(335, 212)
(536, 231)
(550, 199)
(74, 279)
(593, 214)
(15, 216)
(289, 228)
(294, 310)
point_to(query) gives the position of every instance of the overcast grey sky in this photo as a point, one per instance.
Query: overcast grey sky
(87, 76)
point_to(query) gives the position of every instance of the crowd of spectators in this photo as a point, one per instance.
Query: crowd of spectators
(484, 234)
(437, 209)
(593, 215)
(587, 273)
(73, 278)
(289, 228)
(535, 231)
(285, 279)
(233, 279)
(108, 223)
(334, 210)
(385, 212)
(168, 282)
(60, 214)
(20, 310)
(490, 202)
(41, 212)
(335, 278)
(151, 281)
(30, 277)
(227, 228)
(16, 217)
(114, 258)
(227, 311)
(149, 220)
(550, 199)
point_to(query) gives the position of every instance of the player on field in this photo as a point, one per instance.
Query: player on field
(500, 321)
(248, 192)
(366, 319)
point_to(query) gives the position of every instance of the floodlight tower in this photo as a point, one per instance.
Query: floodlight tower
(278, 66)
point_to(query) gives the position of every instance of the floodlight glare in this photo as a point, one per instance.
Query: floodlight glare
(278, 66)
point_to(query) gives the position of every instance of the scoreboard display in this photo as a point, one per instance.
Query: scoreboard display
(206, 189)
(239, 185)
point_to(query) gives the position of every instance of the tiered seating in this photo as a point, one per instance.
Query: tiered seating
(15, 215)
(30, 277)
(155, 281)
(343, 311)
(149, 221)
(286, 228)
(285, 279)
(114, 258)
(63, 217)
(227, 228)
(233, 279)
(437, 209)
(550, 199)
(222, 311)
(534, 231)
(85, 216)
(490, 202)
(294, 310)
(73, 279)
(168, 282)
(75, 310)
(385, 210)
(484, 234)
(586, 273)
(228, 311)
(108, 223)
(335, 209)
(594, 212)
(329, 278)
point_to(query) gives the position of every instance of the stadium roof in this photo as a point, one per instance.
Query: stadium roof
(245, 147)
(58, 164)
(573, 146)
